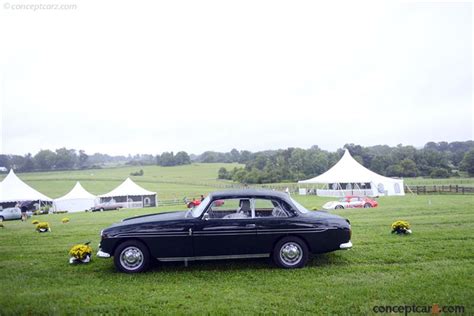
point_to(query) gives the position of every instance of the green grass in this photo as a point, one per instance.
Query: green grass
(168, 182)
(433, 265)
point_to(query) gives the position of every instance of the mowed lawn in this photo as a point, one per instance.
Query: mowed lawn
(433, 265)
(169, 182)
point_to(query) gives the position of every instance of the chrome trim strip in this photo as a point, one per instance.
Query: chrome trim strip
(262, 255)
(226, 232)
(347, 245)
(148, 236)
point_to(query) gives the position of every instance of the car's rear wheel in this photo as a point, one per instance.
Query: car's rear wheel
(367, 205)
(132, 257)
(1, 218)
(338, 207)
(102, 209)
(290, 253)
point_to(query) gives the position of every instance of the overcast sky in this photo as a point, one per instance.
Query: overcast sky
(147, 77)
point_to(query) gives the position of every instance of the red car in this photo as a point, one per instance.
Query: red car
(351, 202)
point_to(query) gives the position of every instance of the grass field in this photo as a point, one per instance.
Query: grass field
(168, 182)
(433, 265)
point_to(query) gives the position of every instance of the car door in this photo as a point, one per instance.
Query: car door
(356, 202)
(170, 240)
(274, 221)
(13, 213)
(226, 229)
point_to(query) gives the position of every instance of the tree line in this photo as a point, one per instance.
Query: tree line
(436, 160)
(71, 159)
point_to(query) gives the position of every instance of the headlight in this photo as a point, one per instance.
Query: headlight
(103, 235)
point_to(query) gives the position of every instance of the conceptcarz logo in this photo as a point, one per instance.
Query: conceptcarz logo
(435, 309)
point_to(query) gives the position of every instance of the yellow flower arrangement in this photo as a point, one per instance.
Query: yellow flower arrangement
(401, 227)
(42, 227)
(65, 220)
(34, 222)
(80, 251)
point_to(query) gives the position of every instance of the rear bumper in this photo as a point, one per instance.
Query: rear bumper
(102, 254)
(347, 245)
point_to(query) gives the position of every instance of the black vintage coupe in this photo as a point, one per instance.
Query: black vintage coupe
(227, 225)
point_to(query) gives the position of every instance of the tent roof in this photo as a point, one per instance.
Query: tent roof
(14, 189)
(348, 170)
(78, 192)
(128, 188)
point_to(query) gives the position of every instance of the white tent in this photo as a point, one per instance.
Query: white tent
(12, 189)
(78, 199)
(130, 195)
(348, 177)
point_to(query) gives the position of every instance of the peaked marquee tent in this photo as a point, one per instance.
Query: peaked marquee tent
(78, 199)
(13, 189)
(130, 195)
(348, 177)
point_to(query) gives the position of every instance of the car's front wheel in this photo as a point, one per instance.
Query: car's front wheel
(132, 257)
(338, 207)
(367, 205)
(1, 218)
(290, 253)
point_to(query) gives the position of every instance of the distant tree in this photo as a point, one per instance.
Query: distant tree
(467, 164)
(223, 173)
(408, 168)
(167, 159)
(235, 155)
(5, 161)
(66, 159)
(439, 173)
(28, 164)
(245, 156)
(45, 160)
(182, 158)
(394, 171)
(83, 158)
(138, 173)
(17, 162)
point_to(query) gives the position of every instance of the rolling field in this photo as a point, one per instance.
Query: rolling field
(434, 265)
(168, 182)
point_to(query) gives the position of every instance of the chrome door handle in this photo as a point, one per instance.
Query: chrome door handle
(251, 225)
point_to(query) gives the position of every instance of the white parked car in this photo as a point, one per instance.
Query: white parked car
(351, 202)
(11, 213)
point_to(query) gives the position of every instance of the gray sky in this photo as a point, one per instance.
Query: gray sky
(147, 77)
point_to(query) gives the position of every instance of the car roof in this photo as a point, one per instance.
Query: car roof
(249, 193)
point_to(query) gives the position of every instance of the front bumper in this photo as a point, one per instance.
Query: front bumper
(345, 246)
(102, 254)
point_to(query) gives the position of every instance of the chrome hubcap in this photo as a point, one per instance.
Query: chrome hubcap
(291, 253)
(131, 258)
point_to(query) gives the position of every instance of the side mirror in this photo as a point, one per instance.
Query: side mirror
(205, 217)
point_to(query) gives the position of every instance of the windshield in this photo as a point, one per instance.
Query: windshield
(197, 210)
(300, 207)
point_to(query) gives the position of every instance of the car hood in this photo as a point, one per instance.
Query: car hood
(330, 205)
(159, 217)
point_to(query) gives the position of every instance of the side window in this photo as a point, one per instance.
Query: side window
(269, 208)
(230, 209)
